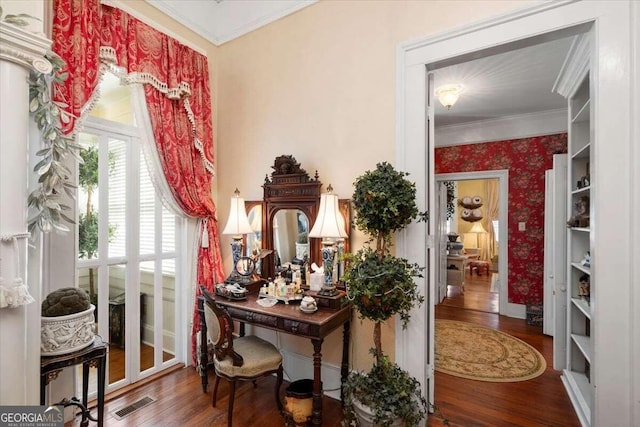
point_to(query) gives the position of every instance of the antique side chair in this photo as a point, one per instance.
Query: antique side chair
(238, 358)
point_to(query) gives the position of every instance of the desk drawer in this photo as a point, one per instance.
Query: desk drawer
(297, 328)
(254, 318)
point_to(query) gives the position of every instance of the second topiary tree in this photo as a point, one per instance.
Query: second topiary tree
(381, 285)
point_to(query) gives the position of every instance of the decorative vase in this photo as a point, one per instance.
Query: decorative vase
(302, 249)
(365, 416)
(66, 334)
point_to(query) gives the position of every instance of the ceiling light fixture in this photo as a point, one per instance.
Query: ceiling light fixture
(449, 94)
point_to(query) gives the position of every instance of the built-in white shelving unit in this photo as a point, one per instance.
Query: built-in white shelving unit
(575, 83)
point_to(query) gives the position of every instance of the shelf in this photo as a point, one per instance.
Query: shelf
(584, 344)
(581, 191)
(582, 153)
(583, 114)
(580, 392)
(581, 229)
(582, 306)
(581, 267)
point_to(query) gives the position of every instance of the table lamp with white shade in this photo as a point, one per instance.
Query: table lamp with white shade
(237, 225)
(329, 225)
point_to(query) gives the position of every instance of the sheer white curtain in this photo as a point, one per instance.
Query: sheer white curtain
(152, 160)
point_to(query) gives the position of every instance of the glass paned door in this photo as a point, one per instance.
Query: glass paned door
(127, 256)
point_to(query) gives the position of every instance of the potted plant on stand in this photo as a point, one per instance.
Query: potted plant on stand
(380, 286)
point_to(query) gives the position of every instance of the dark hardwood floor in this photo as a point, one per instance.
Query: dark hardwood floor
(117, 360)
(463, 403)
(541, 401)
(477, 294)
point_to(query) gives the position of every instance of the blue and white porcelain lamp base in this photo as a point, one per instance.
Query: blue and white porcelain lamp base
(328, 253)
(236, 251)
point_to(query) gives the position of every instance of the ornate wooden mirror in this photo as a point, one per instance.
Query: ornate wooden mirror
(286, 214)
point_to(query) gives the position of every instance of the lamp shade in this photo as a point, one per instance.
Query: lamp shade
(477, 228)
(256, 221)
(329, 222)
(238, 223)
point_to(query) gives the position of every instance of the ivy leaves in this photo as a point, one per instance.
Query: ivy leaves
(384, 200)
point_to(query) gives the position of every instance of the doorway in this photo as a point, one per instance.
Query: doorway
(479, 290)
(415, 144)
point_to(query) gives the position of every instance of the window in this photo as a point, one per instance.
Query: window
(127, 245)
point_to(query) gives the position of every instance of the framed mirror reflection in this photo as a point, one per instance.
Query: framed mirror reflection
(283, 219)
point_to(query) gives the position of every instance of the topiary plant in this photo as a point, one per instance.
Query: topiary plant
(381, 285)
(65, 301)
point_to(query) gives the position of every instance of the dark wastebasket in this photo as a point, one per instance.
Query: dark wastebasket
(535, 313)
(299, 400)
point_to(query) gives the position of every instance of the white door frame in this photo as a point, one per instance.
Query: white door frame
(502, 175)
(613, 198)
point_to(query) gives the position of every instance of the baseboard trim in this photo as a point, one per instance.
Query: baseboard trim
(519, 311)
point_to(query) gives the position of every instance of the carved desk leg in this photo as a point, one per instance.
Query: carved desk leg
(316, 416)
(344, 369)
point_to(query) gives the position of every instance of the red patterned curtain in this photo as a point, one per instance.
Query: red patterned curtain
(93, 38)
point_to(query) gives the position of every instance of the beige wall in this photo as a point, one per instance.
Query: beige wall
(320, 85)
(469, 188)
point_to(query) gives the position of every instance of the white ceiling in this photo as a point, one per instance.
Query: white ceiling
(515, 83)
(220, 21)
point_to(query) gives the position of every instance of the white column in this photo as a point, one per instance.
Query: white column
(20, 52)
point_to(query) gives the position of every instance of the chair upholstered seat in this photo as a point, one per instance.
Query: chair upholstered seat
(259, 357)
(238, 358)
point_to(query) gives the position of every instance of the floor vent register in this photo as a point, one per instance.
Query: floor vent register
(129, 409)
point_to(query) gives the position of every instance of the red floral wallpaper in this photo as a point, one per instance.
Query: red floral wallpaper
(526, 159)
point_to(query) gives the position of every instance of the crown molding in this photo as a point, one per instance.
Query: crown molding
(575, 66)
(210, 32)
(504, 128)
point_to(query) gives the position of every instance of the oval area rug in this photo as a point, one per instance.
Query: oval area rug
(478, 353)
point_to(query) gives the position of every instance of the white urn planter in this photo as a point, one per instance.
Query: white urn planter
(302, 249)
(365, 416)
(66, 334)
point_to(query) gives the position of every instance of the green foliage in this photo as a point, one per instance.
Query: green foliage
(88, 169)
(383, 287)
(391, 393)
(384, 201)
(451, 205)
(87, 235)
(54, 177)
(380, 286)
(303, 237)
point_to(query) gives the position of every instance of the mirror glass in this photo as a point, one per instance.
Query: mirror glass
(254, 240)
(290, 236)
(245, 266)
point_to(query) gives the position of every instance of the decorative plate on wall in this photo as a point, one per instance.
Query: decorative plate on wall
(471, 211)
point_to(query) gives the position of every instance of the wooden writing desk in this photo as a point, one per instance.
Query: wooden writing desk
(289, 319)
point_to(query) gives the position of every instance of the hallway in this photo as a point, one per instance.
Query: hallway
(477, 295)
(541, 401)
